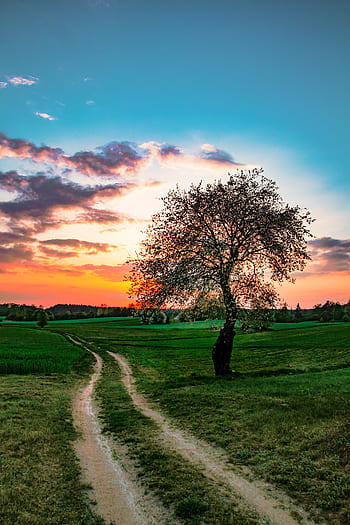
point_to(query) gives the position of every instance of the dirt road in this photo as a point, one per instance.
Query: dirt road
(260, 497)
(119, 498)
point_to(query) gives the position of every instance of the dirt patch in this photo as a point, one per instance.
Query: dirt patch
(272, 506)
(119, 499)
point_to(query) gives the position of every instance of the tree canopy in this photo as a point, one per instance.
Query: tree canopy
(236, 237)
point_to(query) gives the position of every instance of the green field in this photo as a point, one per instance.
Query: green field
(39, 476)
(285, 414)
(30, 351)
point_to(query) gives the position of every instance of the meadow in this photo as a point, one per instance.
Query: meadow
(284, 414)
(40, 477)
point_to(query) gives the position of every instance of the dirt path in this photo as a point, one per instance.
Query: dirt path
(119, 499)
(275, 507)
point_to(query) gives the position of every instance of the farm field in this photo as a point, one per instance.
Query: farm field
(39, 474)
(285, 416)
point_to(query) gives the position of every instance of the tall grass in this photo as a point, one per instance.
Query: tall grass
(33, 351)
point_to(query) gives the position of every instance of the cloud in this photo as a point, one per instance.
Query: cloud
(10, 238)
(39, 197)
(212, 154)
(120, 158)
(3, 85)
(209, 157)
(25, 149)
(90, 102)
(45, 116)
(161, 150)
(330, 255)
(57, 254)
(110, 273)
(112, 159)
(95, 215)
(23, 81)
(17, 253)
(90, 247)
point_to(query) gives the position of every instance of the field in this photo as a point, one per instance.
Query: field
(39, 474)
(30, 351)
(285, 414)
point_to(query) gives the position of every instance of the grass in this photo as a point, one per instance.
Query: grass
(32, 351)
(185, 491)
(286, 416)
(40, 476)
(73, 321)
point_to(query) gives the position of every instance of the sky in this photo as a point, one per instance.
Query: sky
(107, 104)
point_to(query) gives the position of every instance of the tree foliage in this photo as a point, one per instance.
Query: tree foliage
(235, 237)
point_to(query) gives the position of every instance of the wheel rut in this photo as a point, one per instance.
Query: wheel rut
(119, 498)
(272, 506)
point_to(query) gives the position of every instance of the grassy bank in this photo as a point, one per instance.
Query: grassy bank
(39, 472)
(285, 416)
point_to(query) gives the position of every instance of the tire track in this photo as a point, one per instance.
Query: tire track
(119, 499)
(276, 508)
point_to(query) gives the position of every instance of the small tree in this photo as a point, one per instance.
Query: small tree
(235, 238)
(298, 314)
(256, 319)
(42, 318)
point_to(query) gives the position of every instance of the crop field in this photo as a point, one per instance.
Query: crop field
(39, 476)
(31, 351)
(285, 415)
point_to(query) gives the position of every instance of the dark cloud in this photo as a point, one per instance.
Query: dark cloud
(39, 196)
(113, 159)
(59, 254)
(166, 150)
(18, 253)
(330, 255)
(211, 153)
(10, 238)
(25, 149)
(110, 160)
(329, 242)
(91, 247)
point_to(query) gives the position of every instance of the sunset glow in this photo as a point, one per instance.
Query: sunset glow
(93, 134)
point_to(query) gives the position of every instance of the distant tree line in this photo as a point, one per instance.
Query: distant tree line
(24, 312)
(205, 307)
(210, 307)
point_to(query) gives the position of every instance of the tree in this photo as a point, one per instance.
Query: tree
(298, 314)
(256, 319)
(236, 238)
(42, 318)
(283, 314)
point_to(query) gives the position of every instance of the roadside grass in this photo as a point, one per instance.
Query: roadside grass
(40, 475)
(286, 415)
(184, 490)
(26, 350)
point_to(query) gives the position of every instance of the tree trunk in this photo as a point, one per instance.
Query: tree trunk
(222, 350)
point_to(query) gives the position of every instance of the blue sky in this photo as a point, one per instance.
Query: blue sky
(267, 82)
